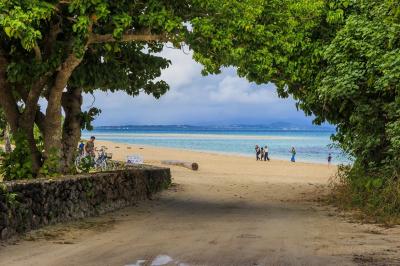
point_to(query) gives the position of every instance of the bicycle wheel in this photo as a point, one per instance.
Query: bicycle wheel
(77, 163)
(103, 165)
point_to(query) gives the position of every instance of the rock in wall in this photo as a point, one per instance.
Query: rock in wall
(30, 204)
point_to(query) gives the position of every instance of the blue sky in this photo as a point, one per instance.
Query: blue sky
(193, 99)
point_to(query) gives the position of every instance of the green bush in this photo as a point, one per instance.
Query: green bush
(51, 164)
(376, 194)
(85, 164)
(17, 164)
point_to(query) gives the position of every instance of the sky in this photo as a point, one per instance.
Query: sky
(193, 99)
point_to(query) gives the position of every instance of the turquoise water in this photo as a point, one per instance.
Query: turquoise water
(311, 145)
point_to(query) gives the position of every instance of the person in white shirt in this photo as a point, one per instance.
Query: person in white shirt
(266, 157)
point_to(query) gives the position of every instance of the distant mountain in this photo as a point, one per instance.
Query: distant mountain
(271, 126)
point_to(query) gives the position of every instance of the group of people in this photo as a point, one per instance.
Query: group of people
(262, 153)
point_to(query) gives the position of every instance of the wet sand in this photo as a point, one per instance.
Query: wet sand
(233, 211)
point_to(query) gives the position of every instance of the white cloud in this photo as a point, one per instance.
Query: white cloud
(194, 99)
(238, 90)
(183, 68)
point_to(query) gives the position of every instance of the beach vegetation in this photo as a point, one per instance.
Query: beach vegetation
(58, 50)
(375, 197)
(17, 164)
(340, 61)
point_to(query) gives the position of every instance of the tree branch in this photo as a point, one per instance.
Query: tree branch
(129, 37)
(38, 53)
(7, 100)
(55, 29)
(40, 120)
(32, 97)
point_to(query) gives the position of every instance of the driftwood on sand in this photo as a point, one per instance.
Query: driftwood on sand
(191, 165)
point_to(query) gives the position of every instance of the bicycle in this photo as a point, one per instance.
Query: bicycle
(103, 161)
(83, 162)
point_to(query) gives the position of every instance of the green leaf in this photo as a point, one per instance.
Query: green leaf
(8, 31)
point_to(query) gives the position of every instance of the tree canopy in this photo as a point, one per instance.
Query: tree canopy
(58, 49)
(338, 58)
(340, 61)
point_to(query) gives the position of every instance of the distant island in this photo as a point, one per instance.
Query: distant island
(272, 126)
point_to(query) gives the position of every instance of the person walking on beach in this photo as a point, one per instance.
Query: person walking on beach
(262, 153)
(293, 159)
(329, 159)
(266, 157)
(257, 152)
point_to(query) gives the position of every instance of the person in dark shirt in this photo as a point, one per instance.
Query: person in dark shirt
(89, 147)
(262, 153)
(257, 149)
(329, 159)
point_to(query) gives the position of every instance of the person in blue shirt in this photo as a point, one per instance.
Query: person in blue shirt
(81, 148)
(293, 159)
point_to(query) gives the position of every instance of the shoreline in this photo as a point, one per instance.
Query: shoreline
(240, 155)
(99, 143)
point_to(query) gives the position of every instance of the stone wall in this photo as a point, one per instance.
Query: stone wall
(30, 204)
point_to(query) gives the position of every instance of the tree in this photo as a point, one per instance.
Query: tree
(43, 42)
(340, 61)
(337, 58)
(59, 49)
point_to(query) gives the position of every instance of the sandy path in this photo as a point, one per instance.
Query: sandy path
(233, 211)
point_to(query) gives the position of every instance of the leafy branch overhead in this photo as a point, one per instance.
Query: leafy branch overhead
(61, 49)
(337, 58)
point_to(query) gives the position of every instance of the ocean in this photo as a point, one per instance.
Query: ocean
(312, 145)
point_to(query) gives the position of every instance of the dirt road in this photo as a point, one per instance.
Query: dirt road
(233, 211)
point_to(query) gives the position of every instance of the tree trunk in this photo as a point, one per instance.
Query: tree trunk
(7, 141)
(19, 123)
(26, 128)
(36, 155)
(71, 102)
(52, 127)
(52, 130)
(7, 100)
(190, 165)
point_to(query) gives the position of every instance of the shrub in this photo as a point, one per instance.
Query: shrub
(17, 164)
(376, 194)
(85, 164)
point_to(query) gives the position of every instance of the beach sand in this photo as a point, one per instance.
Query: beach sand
(233, 211)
